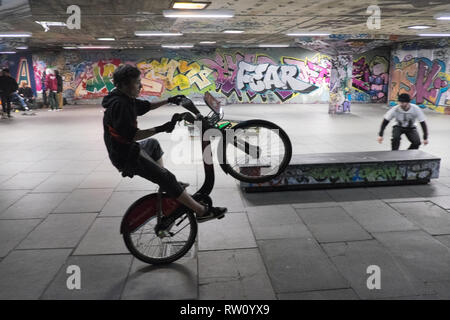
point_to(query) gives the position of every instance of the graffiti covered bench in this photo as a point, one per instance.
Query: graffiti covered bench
(352, 169)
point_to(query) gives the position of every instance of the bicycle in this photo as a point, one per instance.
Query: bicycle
(151, 225)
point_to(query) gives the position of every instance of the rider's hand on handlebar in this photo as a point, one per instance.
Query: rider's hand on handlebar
(176, 99)
(166, 127)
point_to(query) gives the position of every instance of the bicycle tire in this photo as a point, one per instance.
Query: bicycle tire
(166, 260)
(257, 123)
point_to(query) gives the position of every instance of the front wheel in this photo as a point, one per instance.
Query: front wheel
(255, 151)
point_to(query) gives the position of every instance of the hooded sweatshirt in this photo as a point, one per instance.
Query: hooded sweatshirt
(120, 127)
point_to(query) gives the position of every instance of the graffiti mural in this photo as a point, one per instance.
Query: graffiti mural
(356, 174)
(370, 77)
(302, 77)
(340, 84)
(422, 76)
(20, 66)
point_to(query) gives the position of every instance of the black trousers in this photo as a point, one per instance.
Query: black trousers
(6, 103)
(411, 134)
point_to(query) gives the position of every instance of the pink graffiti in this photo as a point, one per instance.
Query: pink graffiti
(428, 85)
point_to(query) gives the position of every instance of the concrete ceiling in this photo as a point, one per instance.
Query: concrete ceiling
(264, 21)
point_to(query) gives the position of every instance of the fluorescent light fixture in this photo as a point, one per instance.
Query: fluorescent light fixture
(52, 23)
(106, 39)
(222, 13)
(190, 5)
(22, 48)
(434, 35)
(273, 45)
(207, 42)
(15, 34)
(233, 31)
(157, 34)
(7, 52)
(306, 34)
(70, 48)
(419, 27)
(442, 16)
(94, 47)
(177, 46)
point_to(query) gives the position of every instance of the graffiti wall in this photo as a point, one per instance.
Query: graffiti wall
(340, 84)
(370, 81)
(424, 75)
(21, 68)
(239, 76)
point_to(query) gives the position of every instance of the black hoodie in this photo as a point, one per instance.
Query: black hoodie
(120, 126)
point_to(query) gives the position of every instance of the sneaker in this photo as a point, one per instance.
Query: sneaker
(212, 213)
(50, 110)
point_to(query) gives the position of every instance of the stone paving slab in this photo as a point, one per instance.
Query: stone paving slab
(424, 257)
(14, 167)
(12, 232)
(29, 180)
(120, 201)
(9, 197)
(332, 225)
(136, 184)
(285, 197)
(26, 273)
(101, 180)
(276, 222)
(229, 198)
(338, 294)
(377, 216)
(394, 192)
(233, 275)
(444, 239)
(432, 189)
(177, 281)
(442, 289)
(47, 165)
(307, 205)
(353, 259)
(79, 167)
(231, 232)
(102, 278)
(34, 206)
(84, 200)
(60, 183)
(351, 194)
(59, 231)
(103, 238)
(443, 201)
(427, 215)
(296, 265)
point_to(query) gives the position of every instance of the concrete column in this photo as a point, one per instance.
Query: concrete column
(340, 84)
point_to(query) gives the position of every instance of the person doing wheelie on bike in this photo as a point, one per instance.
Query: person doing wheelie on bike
(132, 151)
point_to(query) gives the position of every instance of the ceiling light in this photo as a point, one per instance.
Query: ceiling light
(177, 46)
(70, 48)
(198, 14)
(7, 52)
(273, 45)
(207, 42)
(233, 31)
(106, 39)
(190, 5)
(157, 34)
(94, 47)
(419, 27)
(434, 35)
(15, 34)
(47, 24)
(312, 34)
(22, 48)
(442, 16)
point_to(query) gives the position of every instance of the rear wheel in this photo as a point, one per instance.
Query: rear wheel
(255, 151)
(168, 245)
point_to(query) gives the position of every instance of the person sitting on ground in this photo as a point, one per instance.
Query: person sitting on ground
(406, 114)
(132, 151)
(27, 93)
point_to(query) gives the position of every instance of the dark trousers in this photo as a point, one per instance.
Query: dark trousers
(411, 134)
(6, 103)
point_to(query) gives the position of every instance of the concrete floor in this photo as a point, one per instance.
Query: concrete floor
(61, 203)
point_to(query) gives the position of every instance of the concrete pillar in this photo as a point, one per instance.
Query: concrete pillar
(340, 84)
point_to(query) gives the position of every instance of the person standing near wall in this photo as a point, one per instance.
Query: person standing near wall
(59, 91)
(8, 85)
(51, 85)
(406, 115)
(44, 93)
